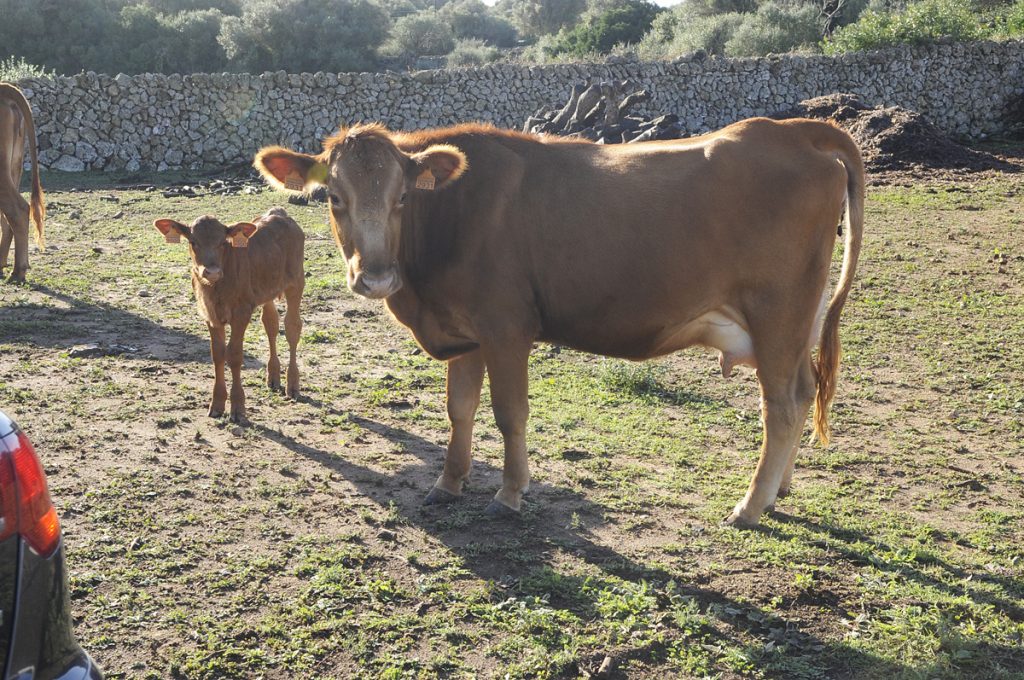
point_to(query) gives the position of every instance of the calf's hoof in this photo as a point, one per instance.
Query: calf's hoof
(439, 496)
(496, 510)
(274, 385)
(215, 412)
(239, 418)
(293, 393)
(16, 277)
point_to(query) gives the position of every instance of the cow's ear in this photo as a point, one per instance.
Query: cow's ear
(438, 166)
(291, 170)
(172, 230)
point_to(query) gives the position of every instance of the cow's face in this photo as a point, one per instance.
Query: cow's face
(207, 240)
(368, 180)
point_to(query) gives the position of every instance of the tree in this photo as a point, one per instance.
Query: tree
(542, 17)
(305, 35)
(776, 28)
(474, 19)
(421, 34)
(625, 23)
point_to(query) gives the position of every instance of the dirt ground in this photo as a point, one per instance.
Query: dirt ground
(298, 546)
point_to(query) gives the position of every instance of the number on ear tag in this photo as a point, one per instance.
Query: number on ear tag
(239, 240)
(294, 182)
(425, 180)
(172, 237)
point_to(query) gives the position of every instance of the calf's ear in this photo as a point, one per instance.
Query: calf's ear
(239, 233)
(290, 170)
(438, 166)
(172, 230)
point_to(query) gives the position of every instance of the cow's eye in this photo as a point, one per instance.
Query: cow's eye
(334, 199)
(401, 201)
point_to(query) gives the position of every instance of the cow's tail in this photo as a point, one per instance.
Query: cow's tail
(38, 208)
(829, 351)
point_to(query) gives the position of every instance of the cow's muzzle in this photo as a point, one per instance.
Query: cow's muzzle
(376, 285)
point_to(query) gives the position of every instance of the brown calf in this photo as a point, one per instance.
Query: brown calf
(235, 270)
(15, 123)
(483, 241)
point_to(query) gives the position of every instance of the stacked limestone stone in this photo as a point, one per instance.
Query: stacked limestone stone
(129, 123)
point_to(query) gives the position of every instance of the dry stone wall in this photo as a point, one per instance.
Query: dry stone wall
(128, 123)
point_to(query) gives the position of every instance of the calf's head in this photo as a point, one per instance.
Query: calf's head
(368, 179)
(207, 241)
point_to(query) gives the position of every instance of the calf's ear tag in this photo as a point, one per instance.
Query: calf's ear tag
(172, 236)
(425, 180)
(239, 240)
(293, 182)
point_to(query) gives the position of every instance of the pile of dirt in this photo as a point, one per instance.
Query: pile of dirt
(896, 139)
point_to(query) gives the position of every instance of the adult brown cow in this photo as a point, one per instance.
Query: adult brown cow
(15, 123)
(633, 251)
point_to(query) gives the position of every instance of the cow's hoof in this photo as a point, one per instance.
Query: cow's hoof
(293, 393)
(439, 496)
(496, 509)
(216, 412)
(274, 386)
(16, 278)
(240, 419)
(737, 521)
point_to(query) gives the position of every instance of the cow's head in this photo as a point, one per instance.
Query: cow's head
(368, 178)
(207, 240)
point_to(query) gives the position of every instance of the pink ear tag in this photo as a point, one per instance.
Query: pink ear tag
(239, 240)
(172, 236)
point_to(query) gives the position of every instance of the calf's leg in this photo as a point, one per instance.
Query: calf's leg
(235, 356)
(220, 390)
(292, 331)
(507, 366)
(271, 323)
(465, 379)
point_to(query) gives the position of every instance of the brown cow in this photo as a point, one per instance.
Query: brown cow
(15, 123)
(633, 250)
(231, 282)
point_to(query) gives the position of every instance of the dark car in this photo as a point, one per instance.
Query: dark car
(36, 637)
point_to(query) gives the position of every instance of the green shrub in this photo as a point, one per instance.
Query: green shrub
(775, 29)
(921, 22)
(624, 24)
(13, 70)
(422, 34)
(1012, 24)
(472, 52)
(474, 19)
(708, 33)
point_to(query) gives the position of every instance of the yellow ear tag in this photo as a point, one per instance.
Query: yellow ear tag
(172, 237)
(239, 240)
(317, 173)
(425, 180)
(293, 182)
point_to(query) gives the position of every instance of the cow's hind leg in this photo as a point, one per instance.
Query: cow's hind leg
(465, 379)
(16, 211)
(271, 324)
(6, 236)
(292, 331)
(786, 397)
(507, 364)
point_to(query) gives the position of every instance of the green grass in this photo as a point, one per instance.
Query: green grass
(298, 547)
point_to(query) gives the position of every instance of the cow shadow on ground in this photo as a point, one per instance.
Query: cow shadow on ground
(516, 554)
(111, 330)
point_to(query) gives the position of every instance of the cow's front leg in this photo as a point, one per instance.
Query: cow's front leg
(235, 356)
(465, 379)
(507, 367)
(220, 390)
